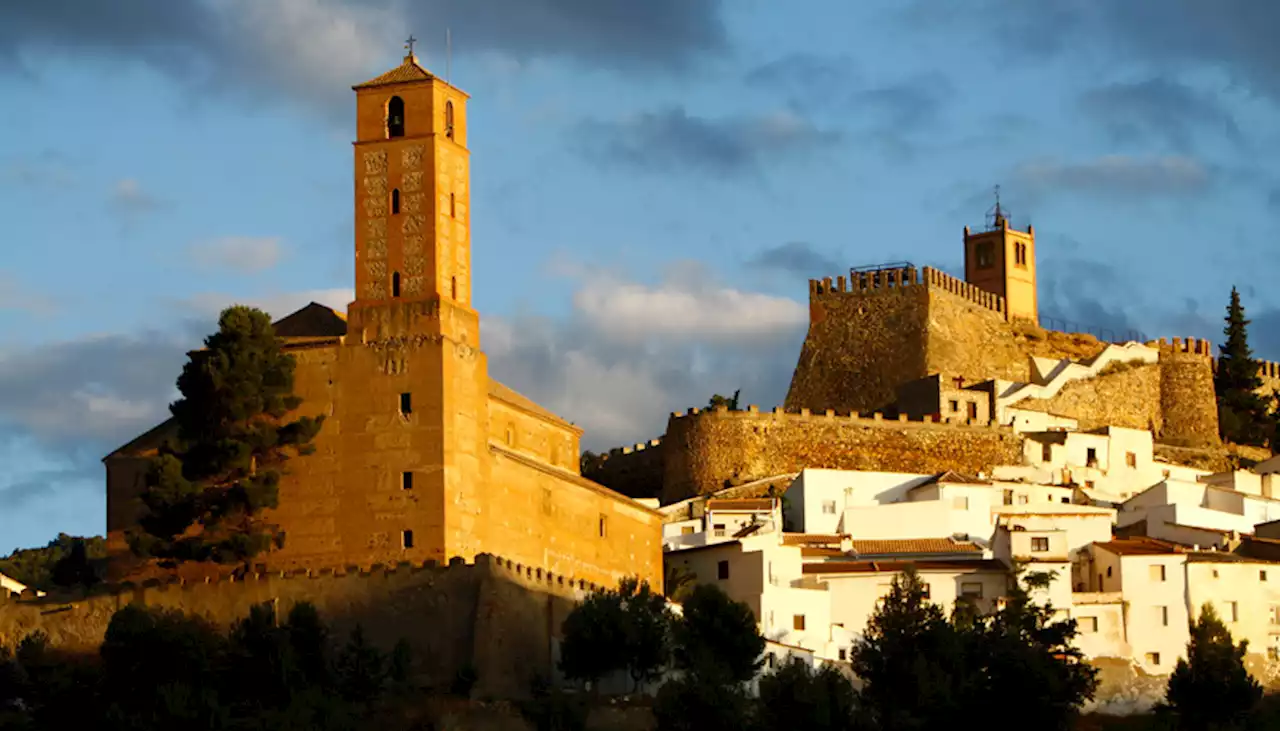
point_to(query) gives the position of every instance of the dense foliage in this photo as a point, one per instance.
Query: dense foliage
(617, 629)
(162, 669)
(207, 487)
(65, 561)
(1211, 688)
(1244, 417)
(729, 402)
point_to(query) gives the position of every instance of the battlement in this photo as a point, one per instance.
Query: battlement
(1193, 346)
(875, 418)
(1268, 369)
(905, 278)
(638, 447)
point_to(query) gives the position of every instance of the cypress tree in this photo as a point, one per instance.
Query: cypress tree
(1244, 417)
(207, 487)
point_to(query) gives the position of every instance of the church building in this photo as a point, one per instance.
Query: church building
(422, 454)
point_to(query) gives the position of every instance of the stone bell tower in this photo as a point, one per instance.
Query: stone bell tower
(1002, 260)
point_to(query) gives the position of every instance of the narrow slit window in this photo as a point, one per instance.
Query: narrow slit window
(406, 539)
(448, 119)
(406, 404)
(406, 481)
(395, 117)
(395, 201)
(453, 287)
(395, 284)
(453, 207)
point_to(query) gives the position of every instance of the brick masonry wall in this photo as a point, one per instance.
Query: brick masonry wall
(1129, 397)
(711, 449)
(496, 615)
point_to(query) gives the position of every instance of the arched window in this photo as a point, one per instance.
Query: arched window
(395, 117)
(453, 287)
(453, 208)
(448, 119)
(395, 284)
(395, 201)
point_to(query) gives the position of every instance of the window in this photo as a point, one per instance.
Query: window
(1153, 658)
(829, 507)
(1157, 572)
(406, 480)
(797, 622)
(448, 119)
(1022, 499)
(1039, 544)
(395, 117)
(1274, 614)
(453, 287)
(769, 659)
(722, 570)
(1131, 459)
(511, 436)
(395, 284)
(1088, 484)
(1162, 616)
(973, 411)
(1087, 625)
(960, 503)
(686, 530)
(1262, 576)
(406, 539)
(844, 654)
(1091, 457)
(954, 405)
(718, 530)
(1020, 254)
(453, 207)
(395, 201)
(1108, 572)
(973, 590)
(406, 404)
(1066, 501)
(1046, 452)
(1008, 497)
(604, 526)
(985, 254)
(1233, 611)
(928, 591)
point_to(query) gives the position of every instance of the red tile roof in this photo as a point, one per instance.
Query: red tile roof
(871, 567)
(1141, 546)
(810, 539)
(748, 504)
(408, 70)
(914, 545)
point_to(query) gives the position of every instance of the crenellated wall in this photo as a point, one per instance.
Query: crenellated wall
(708, 450)
(495, 615)
(1125, 395)
(1187, 395)
(635, 471)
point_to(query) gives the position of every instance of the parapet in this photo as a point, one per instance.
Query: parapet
(873, 419)
(903, 279)
(1190, 346)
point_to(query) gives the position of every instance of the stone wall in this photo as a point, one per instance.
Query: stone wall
(708, 450)
(494, 615)
(1127, 396)
(635, 471)
(1187, 394)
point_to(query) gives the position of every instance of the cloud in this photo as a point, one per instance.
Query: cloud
(128, 199)
(1118, 175)
(47, 169)
(671, 140)
(809, 79)
(907, 104)
(17, 297)
(246, 254)
(1168, 109)
(312, 50)
(794, 257)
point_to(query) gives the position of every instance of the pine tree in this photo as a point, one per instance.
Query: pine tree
(207, 487)
(1211, 686)
(1244, 417)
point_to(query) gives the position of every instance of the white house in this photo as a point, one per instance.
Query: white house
(11, 585)
(1206, 512)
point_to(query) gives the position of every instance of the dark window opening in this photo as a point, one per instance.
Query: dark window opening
(406, 403)
(1046, 453)
(395, 284)
(722, 570)
(406, 481)
(604, 526)
(395, 201)
(985, 254)
(1091, 457)
(395, 117)
(406, 539)
(453, 287)
(973, 411)
(448, 119)
(453, 208)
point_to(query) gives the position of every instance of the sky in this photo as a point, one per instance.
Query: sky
(652, 186)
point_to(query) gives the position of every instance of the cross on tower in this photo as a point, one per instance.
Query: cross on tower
(959, 381)
(409, 43)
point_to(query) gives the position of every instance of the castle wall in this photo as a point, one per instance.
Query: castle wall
(635, 471)
(1187, 395)
(495, 615)
(710, 449)
(1127, 396)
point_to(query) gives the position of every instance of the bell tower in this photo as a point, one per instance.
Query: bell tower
(1002, 260)
(412, 189)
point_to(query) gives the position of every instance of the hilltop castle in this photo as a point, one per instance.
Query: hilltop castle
(422, 456)
(918, 371)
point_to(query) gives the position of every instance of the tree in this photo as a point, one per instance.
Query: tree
(35, 566)
(646, 631)
(1244, 417)
(1211, 685)
(75, 569)
(729, 402)
(716, 640)
(677, 582)
(206, 489)
(611, 630)
(795, 696)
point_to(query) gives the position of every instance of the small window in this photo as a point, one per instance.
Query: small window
(973, 589)
(395, 201)
(985, 254)
(1233, 611)
(844, 654)
(1131, 459)
(797, 622)
(1022, 499)
(1046, 452)
(448, 119)
(1162, 616)
(453, 207)
(1153, 658)
(1262, 576)
(1039, 544)
(718, 530)
(406, 480)
(1088, 484)
(453, 287)
(1157, 572)
(1274, 614)
(395, 117)
(604, 526)
(928, 591)
(1091, 457)
(406, 404)
(829, 507)
(1066, 501)
(395, 284)
(960, 503)
(954, 405)
(1008, 497)
(973, 411)
(687, 530)
(1108, 572)
(1088, 625)
(406, 539)
(722, 570)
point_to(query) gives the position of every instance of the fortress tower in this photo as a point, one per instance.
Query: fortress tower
(1002, 260)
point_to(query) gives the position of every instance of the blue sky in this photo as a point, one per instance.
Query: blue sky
(653, 183)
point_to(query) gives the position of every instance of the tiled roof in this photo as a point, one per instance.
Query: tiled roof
(1141, 546)
(748, 530)
(741, 504)
(953, 478)
(313, 321)
(407, 71)
(914, 545)
(519, 400)
(810, 539)
(871, 567)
